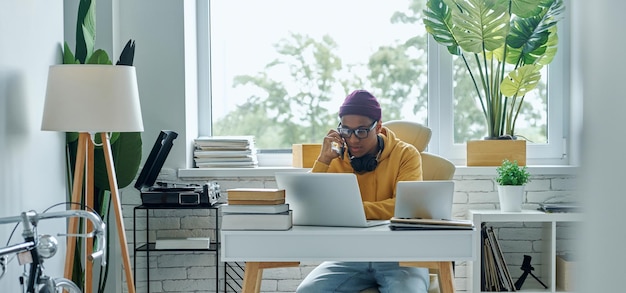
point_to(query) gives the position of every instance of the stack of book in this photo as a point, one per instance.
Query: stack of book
(256, 209)
(225, 152)
(495, 275)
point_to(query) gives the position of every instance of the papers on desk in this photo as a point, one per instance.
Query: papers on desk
(429, 224)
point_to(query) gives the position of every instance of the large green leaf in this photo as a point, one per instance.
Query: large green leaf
(532, 32)
(437, 19)
(550, 48)
(553, 12)
(479, 26)
(85, 23)
(525, 8)
(99, 57)
(525, 34)
(128, 54)
(90, 42)
(126, 151)
(68, 57)
(520, 81)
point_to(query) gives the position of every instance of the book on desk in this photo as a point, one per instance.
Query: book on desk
(256, 209)
(429, 224)
(250, 221)
(256, 196)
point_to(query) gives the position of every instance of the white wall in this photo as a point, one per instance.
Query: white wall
(32, 168)
(601, 43)
(166, 69)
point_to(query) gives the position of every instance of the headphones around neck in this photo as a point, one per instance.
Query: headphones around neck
(368, 162)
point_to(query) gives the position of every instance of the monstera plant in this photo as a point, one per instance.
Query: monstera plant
(126, 147)
(504, 44)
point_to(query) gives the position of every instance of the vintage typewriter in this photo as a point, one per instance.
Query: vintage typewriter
(171, 194)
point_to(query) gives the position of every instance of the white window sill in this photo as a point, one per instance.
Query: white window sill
(281, 162)
(269, 171)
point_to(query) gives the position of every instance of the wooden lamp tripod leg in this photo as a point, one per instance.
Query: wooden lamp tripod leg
(108, 158)
(89, 202)
(84, 161)
(79, 172)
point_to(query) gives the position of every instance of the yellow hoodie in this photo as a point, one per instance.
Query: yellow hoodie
(399, 161)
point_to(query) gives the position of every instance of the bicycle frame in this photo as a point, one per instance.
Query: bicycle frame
(28, 251)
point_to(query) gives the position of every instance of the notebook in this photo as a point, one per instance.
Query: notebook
(424, 199)
(324, 199)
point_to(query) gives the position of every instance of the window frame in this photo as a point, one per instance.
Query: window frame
(440, 100)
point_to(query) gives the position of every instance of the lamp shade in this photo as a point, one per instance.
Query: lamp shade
(92, 98)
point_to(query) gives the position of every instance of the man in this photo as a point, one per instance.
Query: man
(380, 160)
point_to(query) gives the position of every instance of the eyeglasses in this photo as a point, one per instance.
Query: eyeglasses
(360, 133)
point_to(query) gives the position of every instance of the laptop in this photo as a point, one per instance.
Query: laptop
(324, 199)
(424, 199)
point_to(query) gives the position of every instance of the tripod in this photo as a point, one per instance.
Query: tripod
(527, 268)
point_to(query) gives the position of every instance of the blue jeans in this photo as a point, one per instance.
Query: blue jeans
(388, 277)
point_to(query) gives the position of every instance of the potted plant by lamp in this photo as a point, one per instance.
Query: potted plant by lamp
(504, 44)
(511, 180)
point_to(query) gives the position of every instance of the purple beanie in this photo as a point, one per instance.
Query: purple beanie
(361, 102)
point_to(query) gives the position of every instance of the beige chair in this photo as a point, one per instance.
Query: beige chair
(411, 132)
(434, 167)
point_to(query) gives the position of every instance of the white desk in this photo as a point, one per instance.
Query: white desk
(263, 249)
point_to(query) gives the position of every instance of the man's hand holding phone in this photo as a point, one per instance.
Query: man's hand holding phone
(333, 147)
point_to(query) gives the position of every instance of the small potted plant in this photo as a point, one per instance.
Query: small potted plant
(511, 181)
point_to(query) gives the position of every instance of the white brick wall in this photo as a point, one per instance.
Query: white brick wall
(194, 272)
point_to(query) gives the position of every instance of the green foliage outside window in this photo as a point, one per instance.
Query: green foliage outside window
(294, 109)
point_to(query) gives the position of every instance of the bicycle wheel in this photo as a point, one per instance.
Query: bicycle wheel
(63, 283)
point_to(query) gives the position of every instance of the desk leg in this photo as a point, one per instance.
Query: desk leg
(446, 277)
(252, 278)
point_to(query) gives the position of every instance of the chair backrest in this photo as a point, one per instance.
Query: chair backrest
(411, 132)
(434, 167)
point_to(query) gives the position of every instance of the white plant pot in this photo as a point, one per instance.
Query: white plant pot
(511, 197)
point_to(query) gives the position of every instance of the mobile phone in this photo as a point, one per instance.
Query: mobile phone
(338, 148)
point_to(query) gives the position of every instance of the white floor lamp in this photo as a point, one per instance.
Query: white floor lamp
(91, 99)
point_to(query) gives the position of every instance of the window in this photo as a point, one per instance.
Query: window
(279, 69)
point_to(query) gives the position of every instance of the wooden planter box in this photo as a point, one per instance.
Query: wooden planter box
(492, 152)
(304, 155)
